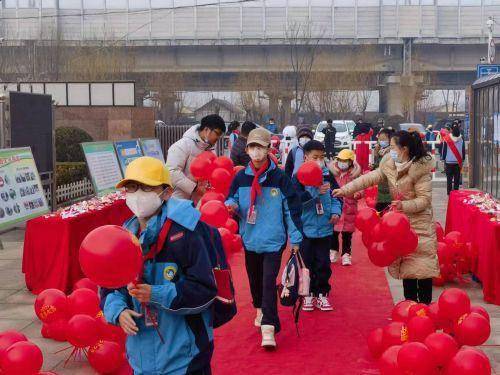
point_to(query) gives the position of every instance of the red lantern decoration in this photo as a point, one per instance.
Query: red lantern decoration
(105, 356)
(375, 343)
(111, 256)
(220, 179)
(419, 327)
(86, 283)
(231, 225)
(418, 309)
(200, 168)
(83, 301)
(212, 196)
(469, 361)
(472, 329)
(225, 163)
(310, 174)
(23, 357)
(395, 333)
(50, 305)
(366, 219)
(443, 347)
(453, 303)
(395, 224)
(8, 338)
(400, 312)
(82, 331)
(415, 358)
(480, 310)
(214, 213)
(380, 255)
(439, 232)
(388, 362)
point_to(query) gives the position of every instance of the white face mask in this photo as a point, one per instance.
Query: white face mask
(303, 141)
(321, 163)
(257, 153)
(343, 166)
(394, 155)
(143, 204)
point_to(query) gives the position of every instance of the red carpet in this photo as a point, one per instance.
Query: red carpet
(329, 343)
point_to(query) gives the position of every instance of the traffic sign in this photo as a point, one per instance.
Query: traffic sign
(487, 69)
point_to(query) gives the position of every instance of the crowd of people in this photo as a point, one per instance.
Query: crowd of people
(273, 209)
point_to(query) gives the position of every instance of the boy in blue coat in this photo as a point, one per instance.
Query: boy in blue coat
(177, 286)
(269, 210)
(319, 212)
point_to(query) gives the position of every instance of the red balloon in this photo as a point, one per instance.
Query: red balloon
(22, 357)
(366, 219)
(469, 361)
(453, 303)
(366, 238)
(395, 224)
(480, 310)
(83, 331)
(44, 331)
(58, 330)
(438, 281)
(231, 225)
(7, 338)
(443, 347)
(236, 244)
(380, 255)
(51, 305)
(83, 301)
(111, 256)
(220, 179)
(454, 238)
(201, 168)
(388, 362)
(400, 312)
(419, 327)
(415, 358)
(370, 202)
(209, 155)
(227, 239)
(86, 283)
(237, 169)
(377, 235)
(375, 343)
(445, 253)
(105, 356)
(212, 196)
(419, 309)
(214, 213)
(472, 329)
(395, 333)
(225, 163)
(433, 313)
(110, 332)
(403, 244)
(439, 232)
(125, 369)
(310, 174)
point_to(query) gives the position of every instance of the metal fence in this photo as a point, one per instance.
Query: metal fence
(70, 193)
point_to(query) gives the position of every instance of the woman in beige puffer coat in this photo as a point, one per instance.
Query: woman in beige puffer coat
(407, 170)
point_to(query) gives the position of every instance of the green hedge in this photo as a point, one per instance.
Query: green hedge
(68, 141)
(67, 173)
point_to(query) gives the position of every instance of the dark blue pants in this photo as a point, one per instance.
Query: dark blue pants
(262, 270)
(316, 255)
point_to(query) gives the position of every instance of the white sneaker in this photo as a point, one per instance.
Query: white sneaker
(308, 304)
(323, 304)
(258, 318)
(334, 256)
(268, 340)
(346, 260)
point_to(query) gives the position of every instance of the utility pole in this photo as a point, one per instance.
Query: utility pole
(491, 43)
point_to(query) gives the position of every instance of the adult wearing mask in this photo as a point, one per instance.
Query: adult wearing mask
(272, 127)
(269, 209)
(377, 128)
(330, 133)
(296, 156)
(239, 155)
(453, 154)
(195, 140)
(407, 169)
(233, 131)
(178, 284)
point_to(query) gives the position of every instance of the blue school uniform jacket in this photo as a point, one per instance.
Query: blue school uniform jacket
(183, 288)
(278, 210)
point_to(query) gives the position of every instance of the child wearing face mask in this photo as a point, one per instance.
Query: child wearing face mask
(320, 211)
(382, 148)
(345, 169)
(269, 210)
(296, 155)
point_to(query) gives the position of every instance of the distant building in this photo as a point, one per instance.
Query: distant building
(223, 108)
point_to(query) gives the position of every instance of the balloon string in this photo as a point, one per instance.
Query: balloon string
(62, 350)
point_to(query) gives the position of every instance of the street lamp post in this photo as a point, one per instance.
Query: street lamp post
(491, 43)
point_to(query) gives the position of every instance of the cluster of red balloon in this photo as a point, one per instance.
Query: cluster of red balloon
(18, 355)
(218, 171)
(371, 196)
(78, 319)
(386, 238)
(434, 339)
(455, 256)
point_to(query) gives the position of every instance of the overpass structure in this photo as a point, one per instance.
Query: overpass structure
(401, 46)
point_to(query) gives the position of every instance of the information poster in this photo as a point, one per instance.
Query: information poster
(127, 151)
(21, 193)
(151, 147)
(103, 166)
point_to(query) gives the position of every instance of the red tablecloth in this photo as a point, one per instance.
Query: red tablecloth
(484, 236)
(50, 258)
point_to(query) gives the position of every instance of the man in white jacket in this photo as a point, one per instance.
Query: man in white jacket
(195, 140)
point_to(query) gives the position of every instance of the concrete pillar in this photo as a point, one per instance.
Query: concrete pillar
(273, 106)
(399, 97)
(286, 105)
(168, 111)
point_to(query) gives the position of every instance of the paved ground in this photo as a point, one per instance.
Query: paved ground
(16, 303)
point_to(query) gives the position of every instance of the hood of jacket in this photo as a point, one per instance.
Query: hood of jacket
(193, 134)
(355, 171)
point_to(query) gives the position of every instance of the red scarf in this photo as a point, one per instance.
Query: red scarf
(256, 188)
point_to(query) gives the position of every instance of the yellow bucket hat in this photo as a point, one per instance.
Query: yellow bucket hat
(346, 154)
(147, 171)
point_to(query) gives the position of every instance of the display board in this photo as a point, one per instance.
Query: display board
(103, 166)
(151, 147)
(127, 151)
(21, 193)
